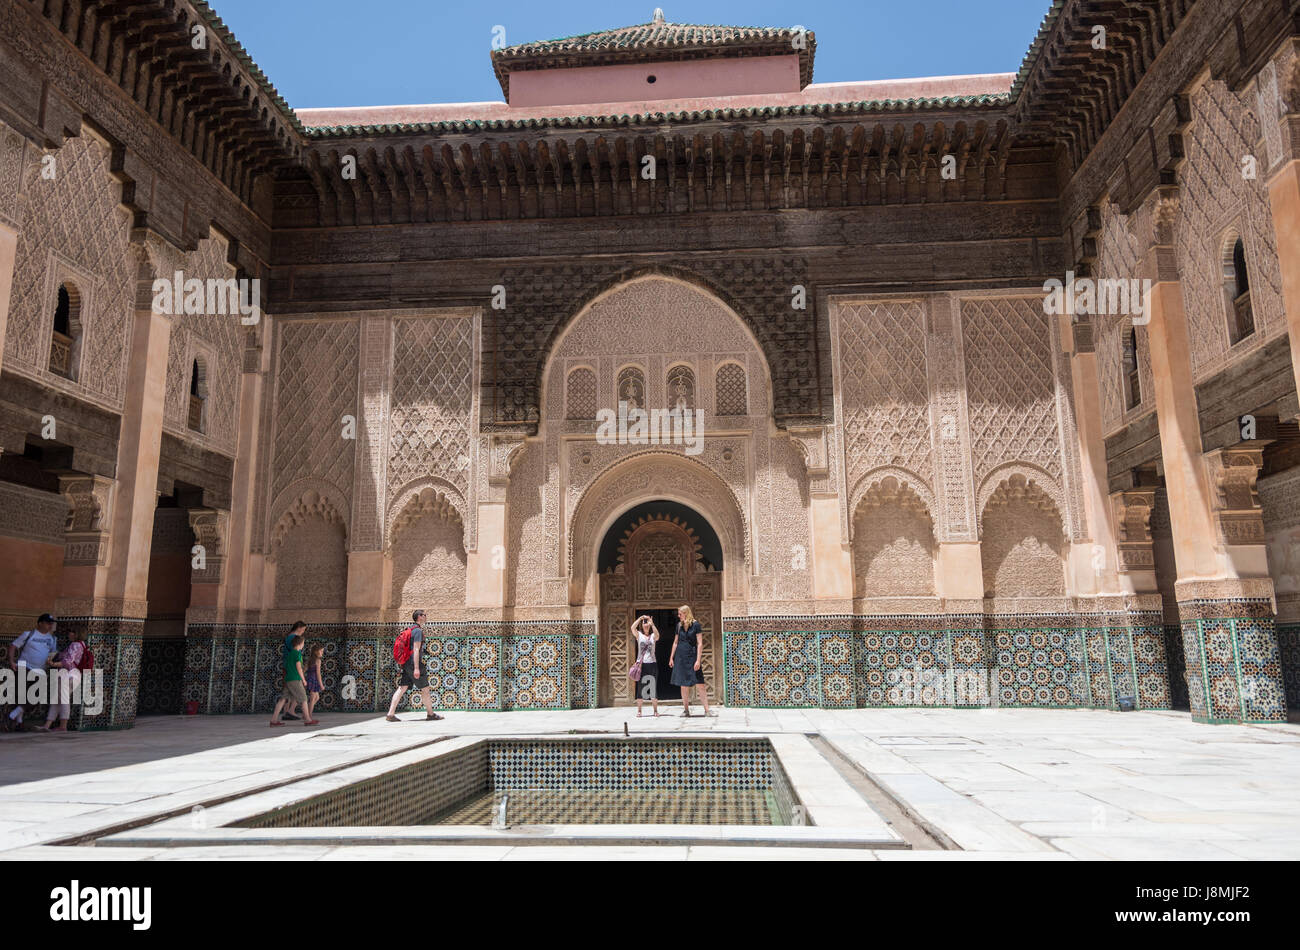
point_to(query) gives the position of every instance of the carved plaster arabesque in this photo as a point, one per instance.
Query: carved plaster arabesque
(1132, 510)
(1234, 473)
(90, 508)
(211, 527)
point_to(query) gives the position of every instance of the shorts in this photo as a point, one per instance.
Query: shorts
(408, 677)
(294, 692)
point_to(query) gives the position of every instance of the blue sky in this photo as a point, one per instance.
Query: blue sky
(392, 52)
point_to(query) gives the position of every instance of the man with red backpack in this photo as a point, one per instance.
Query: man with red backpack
(407, 653)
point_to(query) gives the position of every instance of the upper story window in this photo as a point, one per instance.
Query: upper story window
(66, 334)
(198, 396)
(731, 398)
(1236, 289)
(681, 388)
(1133, 383)
(631, 387)
(580, 394)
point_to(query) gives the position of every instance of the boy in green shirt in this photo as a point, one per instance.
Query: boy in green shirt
(293, 678)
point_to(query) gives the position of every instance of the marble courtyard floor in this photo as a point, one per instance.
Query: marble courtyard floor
(979, 784)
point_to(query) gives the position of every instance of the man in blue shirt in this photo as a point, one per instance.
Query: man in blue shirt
(31, 649)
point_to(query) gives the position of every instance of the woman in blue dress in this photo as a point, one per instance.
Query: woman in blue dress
(685, 660)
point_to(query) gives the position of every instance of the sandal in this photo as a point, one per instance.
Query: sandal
(312, 722)
(392, 719)
(277, 724)
(433, 717)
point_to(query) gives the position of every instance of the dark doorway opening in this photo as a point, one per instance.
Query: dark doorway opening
(666, 620)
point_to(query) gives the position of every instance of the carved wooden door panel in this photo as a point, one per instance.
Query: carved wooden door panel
(616, 643)
(706, 601)
(659, 568)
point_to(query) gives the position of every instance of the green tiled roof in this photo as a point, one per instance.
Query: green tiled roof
(661, 118)
(227, 37)
(654, 41)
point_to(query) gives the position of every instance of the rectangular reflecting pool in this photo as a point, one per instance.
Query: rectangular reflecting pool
(595, 781)
(758, 790)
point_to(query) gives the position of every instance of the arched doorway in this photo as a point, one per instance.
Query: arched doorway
(656, 557)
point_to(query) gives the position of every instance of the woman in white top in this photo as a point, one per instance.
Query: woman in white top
(646, 635)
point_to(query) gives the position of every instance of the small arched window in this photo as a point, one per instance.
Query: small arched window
(631, 387)
(65, 337)
(1236, 289)
(681, 388)
(1133, 383)
(198, 396)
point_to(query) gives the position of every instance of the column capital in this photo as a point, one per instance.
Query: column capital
(90, 501)
(1153, 228)
(1233, 474)
(814, 449)
(1132, 509)
(211, 528)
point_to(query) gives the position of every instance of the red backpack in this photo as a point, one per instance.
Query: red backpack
(87, 661)
(402, 647)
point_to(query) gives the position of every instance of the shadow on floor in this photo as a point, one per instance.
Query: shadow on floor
(32, 756)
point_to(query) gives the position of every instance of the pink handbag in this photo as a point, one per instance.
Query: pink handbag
(635, 672)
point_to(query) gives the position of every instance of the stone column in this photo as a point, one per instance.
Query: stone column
(832, 561)
(366, 561)
(241, 596)
(8, 253)
(1224, 592)
(487, 564)
(211, 529)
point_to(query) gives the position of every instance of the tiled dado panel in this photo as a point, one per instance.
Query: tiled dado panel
(239, 668)
(162, 672)
(1234, 664)
(471, 667)
(1177, 663)
(1288, 642)
(859, 661)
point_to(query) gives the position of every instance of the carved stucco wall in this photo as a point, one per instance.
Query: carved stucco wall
(884, 399)
(1023, 545)
(216, 339)
(1279, 496)
(73, 229)
(1117, 259)
(13, 158)
(429, 562)
(312, 566)
(751, 485)
(316, 386)
(893, 544)
(1018, 396)
(1215, 198)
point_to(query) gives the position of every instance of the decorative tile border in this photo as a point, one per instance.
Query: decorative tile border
(846, 661)
(1288, 641)
(1234, 666)
(162, 673)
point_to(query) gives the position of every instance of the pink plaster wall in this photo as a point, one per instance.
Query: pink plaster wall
(624, 83)
(29, 581)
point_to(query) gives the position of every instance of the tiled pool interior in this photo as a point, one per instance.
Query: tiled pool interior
(564, 781)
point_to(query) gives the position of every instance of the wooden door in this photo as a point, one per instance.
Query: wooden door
(659, 567)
